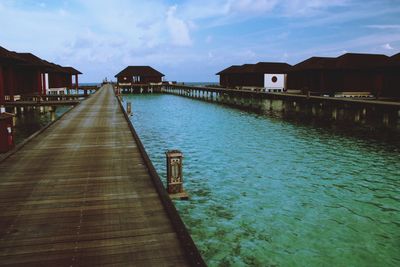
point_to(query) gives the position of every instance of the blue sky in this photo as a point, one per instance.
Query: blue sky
(191, 40)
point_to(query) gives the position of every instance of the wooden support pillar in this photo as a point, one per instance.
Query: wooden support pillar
(12, 84)
(39, 82)
(385, 119)
(357, 116)
(2, 100)
(313, 110)
(334, 114)
(285, 83)
(76, 83)
(43, 83)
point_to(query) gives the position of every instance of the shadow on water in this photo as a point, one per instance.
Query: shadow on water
(29, 120)
(366, 132)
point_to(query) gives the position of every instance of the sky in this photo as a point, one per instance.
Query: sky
(191, 40)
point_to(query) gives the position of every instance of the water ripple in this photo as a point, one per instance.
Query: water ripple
(266, 192)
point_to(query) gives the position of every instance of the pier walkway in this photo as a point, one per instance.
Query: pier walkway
(80, 194)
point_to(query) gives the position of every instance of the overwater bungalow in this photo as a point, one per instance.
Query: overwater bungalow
(267, 76)
(31, 75)
(60, 79)
(391, 79)
(350, 74)
(359, 74)
(138, 75)
(27, 74)
(57, 80)
(72, 72)
(227, 77)
(313, 74)
(8, 62)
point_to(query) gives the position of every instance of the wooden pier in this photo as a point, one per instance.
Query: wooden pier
(378, 111)
(82, 193)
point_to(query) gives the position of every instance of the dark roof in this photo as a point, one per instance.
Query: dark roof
(246, 68)
(260, 67)
(72, 70)
(394, 61)
(139, 71)
(272, 67)
(55, 67)
(395, 56)
(9, 55)
(33, 61)
(230, 69)
(361, 61)
(316, 63)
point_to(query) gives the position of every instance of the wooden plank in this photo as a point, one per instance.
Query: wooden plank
(80, 194)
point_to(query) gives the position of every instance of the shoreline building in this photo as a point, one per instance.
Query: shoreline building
(263, 76)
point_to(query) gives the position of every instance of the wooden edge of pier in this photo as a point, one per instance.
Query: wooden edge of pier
(192, 254)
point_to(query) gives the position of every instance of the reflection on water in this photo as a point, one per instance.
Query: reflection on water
(29, 120)
(266, 191)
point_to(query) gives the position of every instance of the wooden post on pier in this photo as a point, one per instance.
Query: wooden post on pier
(174, 175)
(129, 108)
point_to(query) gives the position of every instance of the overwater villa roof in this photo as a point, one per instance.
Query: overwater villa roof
(231, 69)
(6, 55)
(316, 63)
(394, 61)
(33, 61)
(55, 67)
(142, 71)
(260, 67)
(72, 70)
(246, 68)
(272, 67)
(361, 61)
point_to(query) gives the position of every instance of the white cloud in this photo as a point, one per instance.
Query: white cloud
(102, 36)
(309, 7)
(248, 54)
(385, 26)
(285, 57)
(387, 46)
(178, 29)
(257, 6)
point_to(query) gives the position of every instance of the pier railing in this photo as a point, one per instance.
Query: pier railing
(383, 111)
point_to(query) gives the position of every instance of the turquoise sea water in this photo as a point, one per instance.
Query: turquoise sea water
(269, 192)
